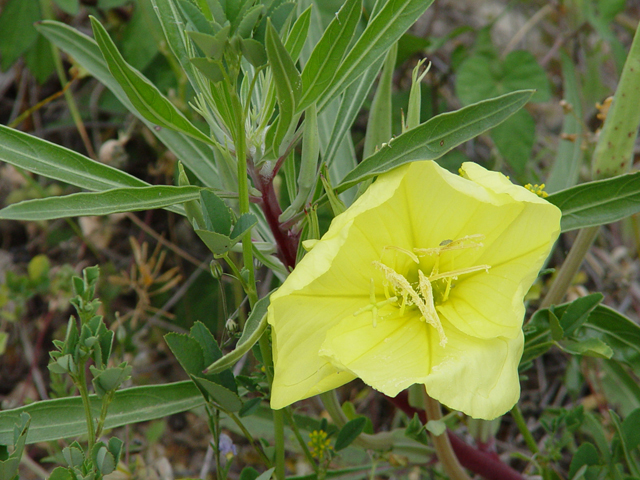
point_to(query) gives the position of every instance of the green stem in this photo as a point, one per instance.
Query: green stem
(441, 442)
(106, 400)
(380, 441)
(522, 426)
(570, 267)
(73, 108)
(303, 445)
(249, 437)
(278, 417)
(278, 427)
(81, 383)
(243, 197)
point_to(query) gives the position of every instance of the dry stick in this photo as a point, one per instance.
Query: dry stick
(444, 451)
(171, 246)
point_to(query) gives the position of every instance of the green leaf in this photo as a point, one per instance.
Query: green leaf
(9, 466)
(557, 333)
(64, 417)
(631, 429)
(254, 51)
(61, 473)
(194, 154)
(195, 18)
(212, 45)
(266, 475)
(569, 156)
(379, 129)
(224, 397)
(415, 430)
(212, 69)
(18, 34)
(599, 202)
(68, 6)
(244, 223)
(591, 347)
(298, 34)
(53, 161)
(287, 81)
(103, 203)
(320, 68)
(217, 215)
(349, 433)
(249, 21)
(144, 96)
(485, 76)
(578, 312)
(617, 331)
(188, 352)
(381, 33)
(585, 455)
(437, 136)
(253, 330)
(514, 140)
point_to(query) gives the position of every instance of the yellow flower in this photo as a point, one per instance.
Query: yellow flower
(420, 281)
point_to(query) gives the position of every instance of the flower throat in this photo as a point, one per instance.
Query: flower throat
(428, 291)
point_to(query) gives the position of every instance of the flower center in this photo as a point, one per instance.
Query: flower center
(426, 291)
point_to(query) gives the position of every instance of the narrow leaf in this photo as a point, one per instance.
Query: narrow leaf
(287, 81)
(599, 202)
(383, 30)
(437, 136)
(64, 417)
(253, 329)
(102, 203)
(58, 163)
(330, 50)
(193, 153)
(144, 96)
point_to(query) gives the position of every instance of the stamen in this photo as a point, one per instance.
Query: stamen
(456, 273)
(410, 254)
(424, 303)
(430, 313)
(468, 241)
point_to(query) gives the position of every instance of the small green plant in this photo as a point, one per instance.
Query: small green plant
(89, 340)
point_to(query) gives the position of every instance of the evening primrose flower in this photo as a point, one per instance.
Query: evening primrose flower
(420, 281)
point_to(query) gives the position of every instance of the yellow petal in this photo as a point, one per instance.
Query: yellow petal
(390, 357)
(476, 376)
(300, 323)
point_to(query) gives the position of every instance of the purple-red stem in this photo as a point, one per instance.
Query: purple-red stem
(485, 464)
(286, 241)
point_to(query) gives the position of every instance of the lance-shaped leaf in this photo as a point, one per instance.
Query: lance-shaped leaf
(193, 153)
(253, 329)
(437, 136)
(329, 51)
(144, 96)
(102, 203)
(64, 417)
(58, 163)
(287, 81)
(383, 30)
(298, 34)
(599, 202)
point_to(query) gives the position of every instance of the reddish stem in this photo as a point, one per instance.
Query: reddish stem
(286, 241)
(485, 464)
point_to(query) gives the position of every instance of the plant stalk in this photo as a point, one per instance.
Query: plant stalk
(570, 267)
(444, 451)
(522, 427)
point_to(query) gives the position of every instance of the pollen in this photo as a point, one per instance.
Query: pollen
(537, 189)
(423, 300)
(320, 445)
